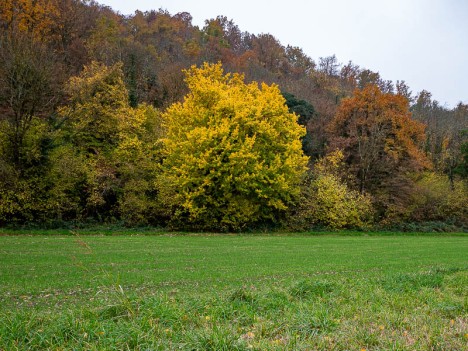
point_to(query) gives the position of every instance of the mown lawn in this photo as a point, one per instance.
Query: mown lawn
(234, 292)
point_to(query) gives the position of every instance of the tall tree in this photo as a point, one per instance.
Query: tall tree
(444, 134)
(96, 122)
(329, 65)
(380, 141)
(233, 151)
(27, 89)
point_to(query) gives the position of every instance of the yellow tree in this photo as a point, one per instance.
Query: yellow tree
(233, 151)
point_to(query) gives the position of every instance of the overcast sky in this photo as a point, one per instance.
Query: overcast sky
(424, 42)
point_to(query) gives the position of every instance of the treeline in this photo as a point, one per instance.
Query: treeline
(86, 96)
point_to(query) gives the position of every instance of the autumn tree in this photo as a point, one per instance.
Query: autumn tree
(454, 142)
(233, 151)
(444, 133)
(83, 174)
(27, 90)
(333, 204)
(270, 53)
(214, 39)
(329, 65)
(105, 42)
(404, 90)
(367, 77)
(35, 18)
(462, 169)
(105, 153)
(349, 75)
(437, 200)
(158, 46)
(300, 63)
(380, 142)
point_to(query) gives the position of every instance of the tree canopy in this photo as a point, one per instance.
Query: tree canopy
(233, 151)
(378, 136)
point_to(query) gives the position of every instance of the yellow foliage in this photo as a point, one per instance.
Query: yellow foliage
(435, 200)
(233, 151)
(22, 192)
(99, 111)
(110, 155)
(331, 164)
(336, 206)
(327, 201)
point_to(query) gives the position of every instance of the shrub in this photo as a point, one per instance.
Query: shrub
(327, 200)
(436, 200)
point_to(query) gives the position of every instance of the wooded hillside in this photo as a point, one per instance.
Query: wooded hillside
(95, 108)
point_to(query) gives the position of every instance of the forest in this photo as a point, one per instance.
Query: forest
(149, 120)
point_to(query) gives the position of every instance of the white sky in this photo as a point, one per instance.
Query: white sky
(424, 42)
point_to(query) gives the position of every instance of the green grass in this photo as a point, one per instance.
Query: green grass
(234, 292)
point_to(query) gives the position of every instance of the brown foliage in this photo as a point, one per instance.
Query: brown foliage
(380, 142)
(33, 17)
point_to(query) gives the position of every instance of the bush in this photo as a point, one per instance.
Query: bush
(436, 200)
(327, 200)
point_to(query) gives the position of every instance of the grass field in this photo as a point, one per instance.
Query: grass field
(234, 292)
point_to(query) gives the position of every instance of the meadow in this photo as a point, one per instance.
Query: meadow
(234, 292)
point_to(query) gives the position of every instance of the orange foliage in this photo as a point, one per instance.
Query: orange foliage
(378, 136)
(29, 16)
